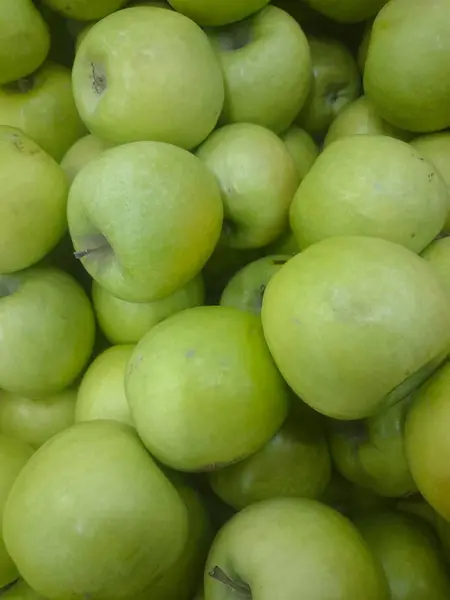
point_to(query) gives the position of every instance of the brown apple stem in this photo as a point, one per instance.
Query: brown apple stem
(88, 251)
(240, 588)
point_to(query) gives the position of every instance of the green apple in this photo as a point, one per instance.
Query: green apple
(370, 185)
(144, 218)
(14, 454)
(409, 553)
(361, 118)
(294, 463)
(33, 209)
(351, 499)
(174, 91)
(101, 394)
(258, 179)
(21, 591)
(24, 39)
(36, 421)
(127, 322)
(427, 441)
(85, 10)
(438, 256)
(347, 11)
(335, 84)
(435, 147)
(371, 453)
(410, 43)
(181, 580)
(266, 64)
(302, 148)
(81, 153)
(355, 324)
(42, 105)
(46, 331)
(203, 390)
(291, 547)
(217, 12)
(109, 520)
(245, 290)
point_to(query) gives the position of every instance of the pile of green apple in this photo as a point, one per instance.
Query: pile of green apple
(225, 300)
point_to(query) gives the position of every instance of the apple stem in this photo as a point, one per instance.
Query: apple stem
(82, 253)
(240, 588)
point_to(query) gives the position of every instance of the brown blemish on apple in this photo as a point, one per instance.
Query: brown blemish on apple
(98, 76)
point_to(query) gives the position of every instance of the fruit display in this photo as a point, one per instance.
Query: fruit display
(224, 299)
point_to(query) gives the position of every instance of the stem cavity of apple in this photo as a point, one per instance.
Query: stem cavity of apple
(79, 254)
(239, 588)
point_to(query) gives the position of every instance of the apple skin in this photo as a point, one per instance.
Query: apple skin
(101, 394)
(181, 580)
(266, 64)
(24, 40)
(92, 496)
(81, 153)
(409, 553)
(85, 10)
(336, 83)
(361, 118)
(294, 463)
(346, 304)
(14, 454)
(33, 210)
(42, 106)
(149, 88)
(212, 396)
(58, 340)
(36, 421)
(257, 178)
(371, 453)
(414, 49)
(427, 443)
(435, 147)
(220, 12)
(149, 252)
(246, 288)
(302, 148)
(372, 186)
(437, 254)
(127, 322)
(307, 548)
(347, 11)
